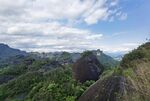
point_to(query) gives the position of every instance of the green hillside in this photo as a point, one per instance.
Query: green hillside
(128, 82)
(39, 80)
(48, 80)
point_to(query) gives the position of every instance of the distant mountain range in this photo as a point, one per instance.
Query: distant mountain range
(7, 53)
(117, 55)
(106, 60)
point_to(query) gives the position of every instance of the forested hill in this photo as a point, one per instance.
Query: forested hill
(6, 51)
(47, 79)
(129, 82)
(47, 76)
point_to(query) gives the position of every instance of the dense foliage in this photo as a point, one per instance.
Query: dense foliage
(34, 85)
(42, 78)
(143, 52)
(86, 53)
(136, 70)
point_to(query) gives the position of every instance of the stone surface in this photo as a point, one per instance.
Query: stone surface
(87, 68)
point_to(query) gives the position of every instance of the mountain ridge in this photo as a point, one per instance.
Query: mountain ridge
(6, 51)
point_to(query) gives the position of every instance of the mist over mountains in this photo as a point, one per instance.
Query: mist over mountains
(7, 52)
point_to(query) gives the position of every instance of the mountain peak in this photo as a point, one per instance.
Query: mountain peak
(6, 51)
(3, 45)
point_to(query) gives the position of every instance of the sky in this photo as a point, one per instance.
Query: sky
(74, 25)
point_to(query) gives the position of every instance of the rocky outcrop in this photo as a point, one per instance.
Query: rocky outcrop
(87, 68)
(108, 89)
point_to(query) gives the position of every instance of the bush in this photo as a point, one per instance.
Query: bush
(86, 53)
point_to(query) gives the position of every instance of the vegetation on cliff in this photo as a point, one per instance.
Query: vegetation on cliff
(128, 82)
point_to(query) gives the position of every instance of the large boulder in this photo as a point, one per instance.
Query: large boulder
(87, 68)
(108, 89)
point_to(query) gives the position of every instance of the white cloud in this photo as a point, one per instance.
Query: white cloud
(131, 44)
(123, 16)
(123, 48)
(48, 37)
(114, 2)
(88, 11)
(42, 25)
(97, 15)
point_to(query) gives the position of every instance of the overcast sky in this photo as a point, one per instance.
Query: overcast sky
(74, 25)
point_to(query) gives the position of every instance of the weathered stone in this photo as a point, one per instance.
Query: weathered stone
(108, 89)
(87, 68)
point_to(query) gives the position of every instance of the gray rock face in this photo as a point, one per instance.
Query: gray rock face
(108, 89)
(87, 68)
